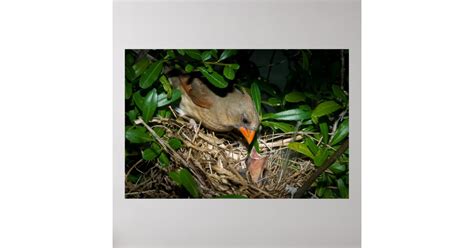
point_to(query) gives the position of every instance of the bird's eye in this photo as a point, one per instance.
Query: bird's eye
(245, 121)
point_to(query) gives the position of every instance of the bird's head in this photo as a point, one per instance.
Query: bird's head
(245, 114)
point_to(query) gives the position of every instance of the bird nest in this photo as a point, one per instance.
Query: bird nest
(218, 163)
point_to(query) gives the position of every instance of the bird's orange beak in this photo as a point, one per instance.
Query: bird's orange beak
(248, 134)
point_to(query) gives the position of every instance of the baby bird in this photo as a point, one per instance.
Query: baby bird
(219, 112)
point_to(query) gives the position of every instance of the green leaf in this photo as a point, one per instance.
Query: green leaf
(325, 108)
(325, 131)
(255, 92)
(305, 107)
(149, 154)
(311, 145)
(328, 194)
(163, 99)
(305, 61)
(166, 85)
(255, 144)
(342, 188)
(266, 87)
(138, 100)
(214, 53)
(132, 178)
(132, 115)
(137, 135)
(289, 115)
(307, 122)
(339, 93)
(285, 127)
(175, 143)
(273, 101)
(165, 113)
(232, 196)
(159, 131)
(320, 190)
(140, 67)
(226, 54)
(149, 105)
(229, 72)
(189, 68)
(309, 128)
(205, 56)
(337, 168)
(128, 90)
(214, 78)
(295, 96)
(195, 54)
(151, 74)
(331, 178)
(164, 160)
(129, 59)
(209, 68)
(341, 132)
(301, 148)
(182, 52)
(156, 148)
(170, 54)
(321, 156)
(130, 73)
(235, 66)
(310, 95)
(183, 177)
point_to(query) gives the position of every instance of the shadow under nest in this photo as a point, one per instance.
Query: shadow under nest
(218, 164)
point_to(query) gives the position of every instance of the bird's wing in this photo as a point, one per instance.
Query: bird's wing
(199, 93)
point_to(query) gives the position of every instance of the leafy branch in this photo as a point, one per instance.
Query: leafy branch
(321, 169)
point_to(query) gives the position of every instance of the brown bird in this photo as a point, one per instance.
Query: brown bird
(256, 165)
(218, 111)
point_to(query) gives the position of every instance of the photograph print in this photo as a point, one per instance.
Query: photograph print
(232, 123)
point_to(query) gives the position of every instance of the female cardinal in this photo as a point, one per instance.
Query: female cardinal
(217, 111)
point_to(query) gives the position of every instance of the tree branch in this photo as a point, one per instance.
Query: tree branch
(321, 169)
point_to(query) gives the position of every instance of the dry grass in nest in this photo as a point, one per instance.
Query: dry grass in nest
(218, 165)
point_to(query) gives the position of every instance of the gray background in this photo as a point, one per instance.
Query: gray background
(237, 24)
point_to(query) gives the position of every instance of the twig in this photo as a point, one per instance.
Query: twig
(142, 192)
(216, 63)
(336, 123)
(274, 64)
(270, 67)
(321, 169)
(174, 113)
(131, 168)
(277, 136)
(212, 141)
(287, 155)
(320, 140)
(197, 131)
(169, 150)
(283, 142)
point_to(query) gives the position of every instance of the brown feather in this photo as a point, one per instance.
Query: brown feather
(197, 91)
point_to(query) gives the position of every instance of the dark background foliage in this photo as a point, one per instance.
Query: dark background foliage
(294, 90)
